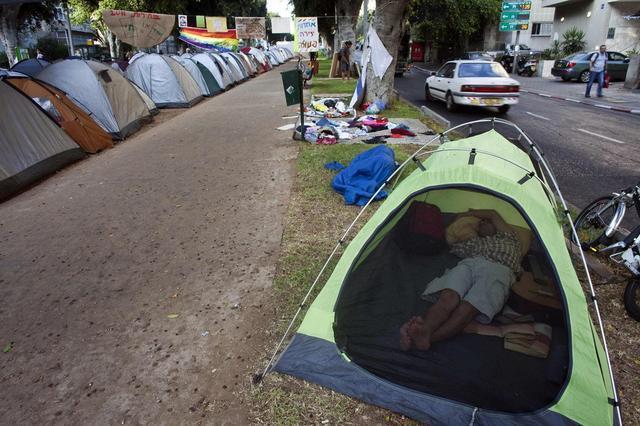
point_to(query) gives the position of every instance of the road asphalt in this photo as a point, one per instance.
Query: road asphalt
(592, 151)
(134, 284)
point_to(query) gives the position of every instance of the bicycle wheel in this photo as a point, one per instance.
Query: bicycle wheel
(632, 298)
(593, 221)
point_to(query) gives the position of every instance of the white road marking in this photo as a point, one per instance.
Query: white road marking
(600, 136)
(537, 116)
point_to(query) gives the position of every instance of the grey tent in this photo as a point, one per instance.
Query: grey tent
(248, 63)
(236, 71)
(205, 60)
(32, 145)
(195, 72)
(108, 97)
(30, 67)
(153, 109)
(166, 82)
(228, 73)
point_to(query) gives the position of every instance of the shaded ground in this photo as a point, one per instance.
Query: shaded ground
(132, 283)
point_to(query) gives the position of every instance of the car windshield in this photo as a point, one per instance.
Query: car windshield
(575, 56)
(490, 69)
(524, 47)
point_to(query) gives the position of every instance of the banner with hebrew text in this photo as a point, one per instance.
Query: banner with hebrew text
(251, 27)
(139, 29)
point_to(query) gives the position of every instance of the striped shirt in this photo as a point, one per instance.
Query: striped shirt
(503, 248)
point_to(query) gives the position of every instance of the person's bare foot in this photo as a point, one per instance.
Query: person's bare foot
(405, 338)
(419, 334)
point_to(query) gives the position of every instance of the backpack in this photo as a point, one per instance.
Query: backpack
(421, 230)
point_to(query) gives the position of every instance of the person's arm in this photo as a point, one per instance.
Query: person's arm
(493, 216)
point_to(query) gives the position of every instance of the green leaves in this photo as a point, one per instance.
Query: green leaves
(573, 40)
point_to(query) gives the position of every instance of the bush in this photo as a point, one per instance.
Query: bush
(554, 52)
(573, 41)
(632, 52)
(52, 49)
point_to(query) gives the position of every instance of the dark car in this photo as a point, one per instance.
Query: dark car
(476, 56)
(576, 66)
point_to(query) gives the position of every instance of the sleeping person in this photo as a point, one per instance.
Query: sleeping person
(477, 287)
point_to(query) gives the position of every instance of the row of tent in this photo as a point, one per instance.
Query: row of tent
(52, 114)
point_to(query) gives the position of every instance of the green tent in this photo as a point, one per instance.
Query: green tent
(212, 84)
(349, 341)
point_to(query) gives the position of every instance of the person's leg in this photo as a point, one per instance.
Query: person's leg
(419, 330)
(600, 83)
(592, 76)
(459, 320)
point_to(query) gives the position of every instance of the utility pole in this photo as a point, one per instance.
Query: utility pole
(365, 17)
(516, 49)
(68, 28)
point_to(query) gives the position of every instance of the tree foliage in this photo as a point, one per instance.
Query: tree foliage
(573, 40)
(451, 22)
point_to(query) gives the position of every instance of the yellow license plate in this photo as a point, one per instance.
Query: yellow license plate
(491, 101)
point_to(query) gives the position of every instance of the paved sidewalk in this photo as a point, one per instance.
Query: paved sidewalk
(134, 284)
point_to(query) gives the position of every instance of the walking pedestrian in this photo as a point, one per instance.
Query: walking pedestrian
(597, 68)
(345, 60)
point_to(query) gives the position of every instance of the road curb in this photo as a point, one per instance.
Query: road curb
(577, 101)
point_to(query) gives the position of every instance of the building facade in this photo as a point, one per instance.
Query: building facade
(615, 23)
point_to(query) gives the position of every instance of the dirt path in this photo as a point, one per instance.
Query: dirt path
(131, 283)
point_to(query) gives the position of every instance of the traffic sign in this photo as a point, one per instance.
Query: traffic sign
(516, 5)
(515, 16)
(514, 26)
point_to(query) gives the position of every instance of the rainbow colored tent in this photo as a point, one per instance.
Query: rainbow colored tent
(223, 41)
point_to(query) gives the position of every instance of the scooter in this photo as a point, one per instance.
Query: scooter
(527, 64)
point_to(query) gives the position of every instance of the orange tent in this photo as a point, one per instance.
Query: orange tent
(77, 123)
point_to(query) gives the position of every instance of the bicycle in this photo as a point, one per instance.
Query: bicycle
(597, 227)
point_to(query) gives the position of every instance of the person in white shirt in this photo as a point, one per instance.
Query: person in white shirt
(597, 68)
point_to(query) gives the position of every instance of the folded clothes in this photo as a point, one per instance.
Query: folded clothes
(376, 139)
(326, 140)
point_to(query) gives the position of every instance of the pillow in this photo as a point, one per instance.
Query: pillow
(462, 229)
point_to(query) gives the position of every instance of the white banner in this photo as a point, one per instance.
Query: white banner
(308, 36)
(280, 25)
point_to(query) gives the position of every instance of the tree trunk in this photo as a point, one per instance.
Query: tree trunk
(9, 30)
(112, 44)
(118, 48)
(347, 15)
(388, 24)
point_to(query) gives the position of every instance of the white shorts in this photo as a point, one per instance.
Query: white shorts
(483, 283)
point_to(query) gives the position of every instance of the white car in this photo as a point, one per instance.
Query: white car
(474, 83)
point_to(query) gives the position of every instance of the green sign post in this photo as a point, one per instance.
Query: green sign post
(514, 26)
(516, 5)
(515, 16)
(292, 85)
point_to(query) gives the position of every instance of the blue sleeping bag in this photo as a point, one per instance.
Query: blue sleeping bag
(367, 171)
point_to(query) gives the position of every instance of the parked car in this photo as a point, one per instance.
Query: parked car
(510, 49)
(576, 66)
(473, 83)
(476, 56)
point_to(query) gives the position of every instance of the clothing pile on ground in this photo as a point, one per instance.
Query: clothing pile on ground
(326, 131)
(330, 108)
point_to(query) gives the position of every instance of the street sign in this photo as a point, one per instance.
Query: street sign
(515, 16)
(514, 26)
(516, 5)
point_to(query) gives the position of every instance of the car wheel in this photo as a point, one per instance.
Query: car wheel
(565, 78)
(427, 94)
(451, 104)
(504, 109)
(584, 76)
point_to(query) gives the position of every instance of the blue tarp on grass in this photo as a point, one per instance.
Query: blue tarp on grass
(367, 171)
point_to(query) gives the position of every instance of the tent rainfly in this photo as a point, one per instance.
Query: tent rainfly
(228, 73)
(77, 123)
(32, 145)
(195, 72)
(349, 339)
(166, 82)
(205, 60)
(30, 67)
(102, 92)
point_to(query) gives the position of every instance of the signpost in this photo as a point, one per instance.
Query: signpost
(515, 16)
